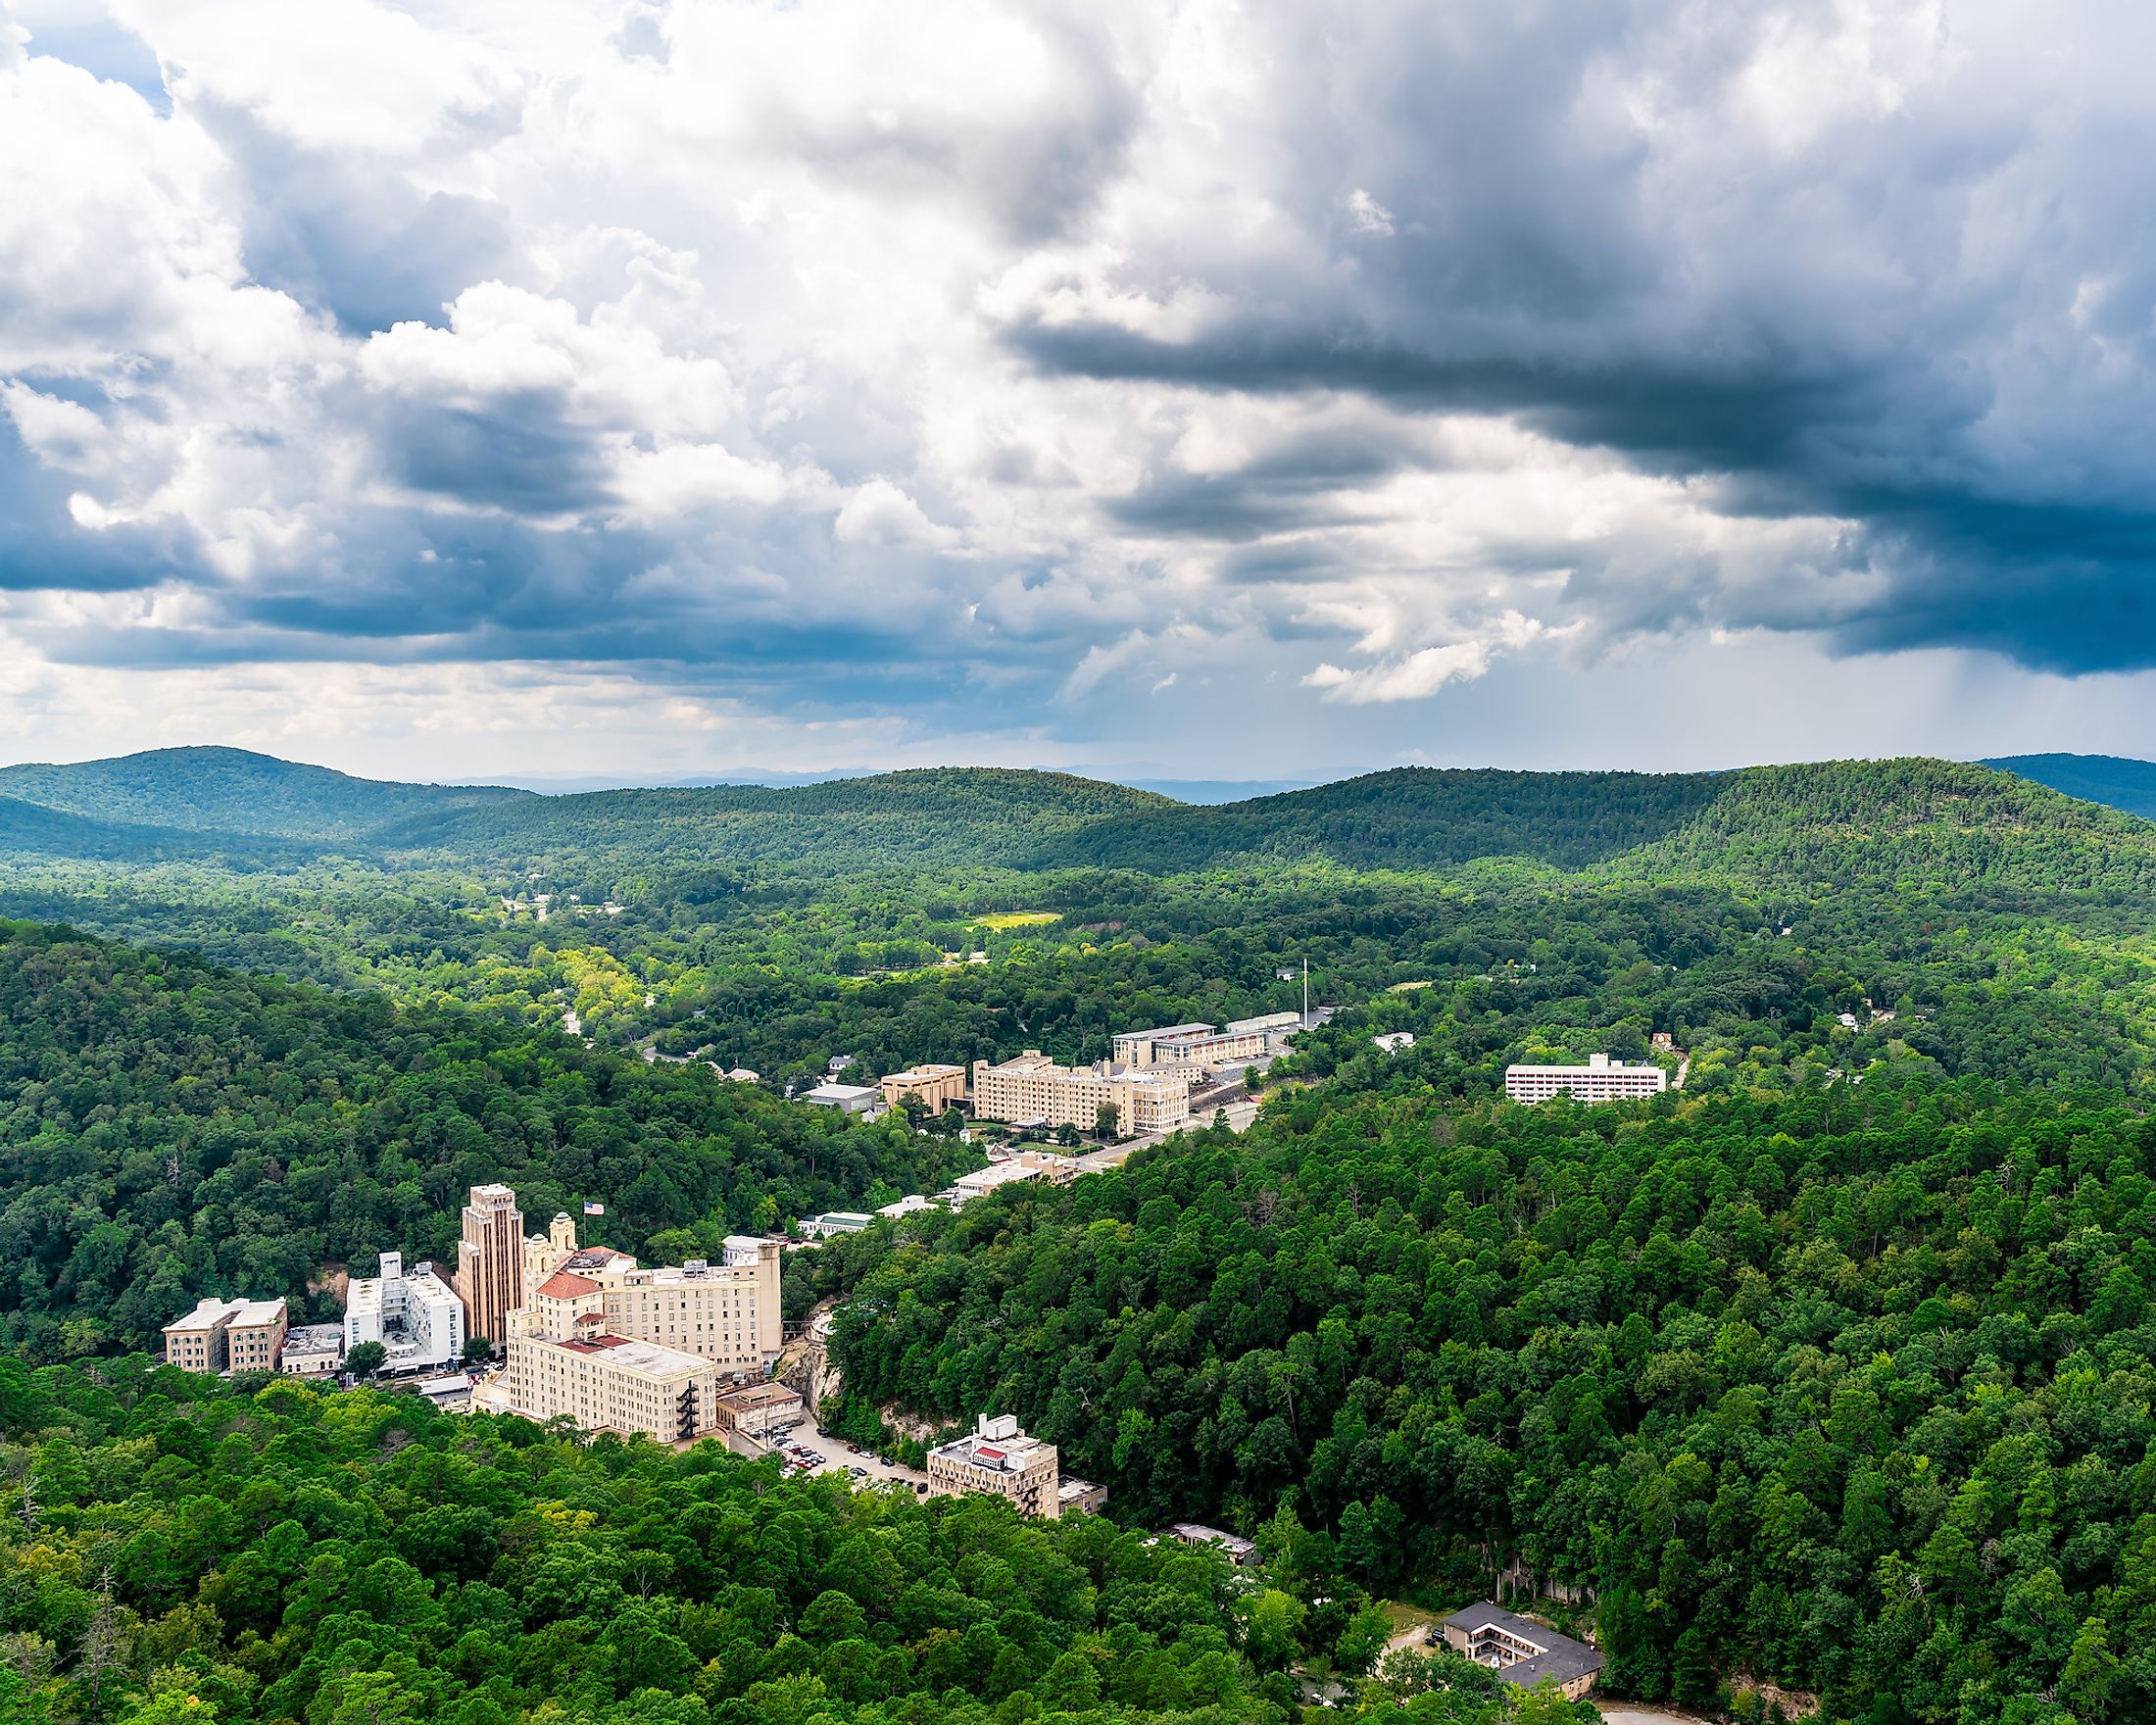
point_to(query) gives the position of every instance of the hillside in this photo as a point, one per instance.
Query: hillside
(2116, 779)
(1409, 817)
(926, 818)
(31, 830)
(234, 791)
(1910, 824)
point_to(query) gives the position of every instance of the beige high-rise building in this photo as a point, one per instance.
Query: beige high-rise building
(998, 1461)
(227, 1335)
(1034, 1088)
(607, 1383)
(728, 1311)
(939, 1087)
(490, 1262)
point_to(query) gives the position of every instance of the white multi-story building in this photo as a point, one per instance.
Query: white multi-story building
(1194, 1046)
(1035, 1165)
(605, 1383)
(1601, 1079)
(1034, 1089)
(417, 1318)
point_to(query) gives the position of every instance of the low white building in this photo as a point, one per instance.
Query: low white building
(1027, 1165)
(1601, 1079)
(313, 1351)
(837, 1221)
(417, 1317)
(847, 1099)
(1392, 1041)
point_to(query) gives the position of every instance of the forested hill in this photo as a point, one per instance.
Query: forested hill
(2116, 779)
(924, 819)
(234, 791)
(168, 1129)
(1409, 817)
(1912, 824)
(31, 830)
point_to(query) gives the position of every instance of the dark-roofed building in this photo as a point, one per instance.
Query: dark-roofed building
(1521, 1650)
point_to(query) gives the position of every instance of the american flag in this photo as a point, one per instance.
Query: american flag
(594, 1209)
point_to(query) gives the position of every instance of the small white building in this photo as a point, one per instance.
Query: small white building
(314, 1351)
(417, 1317)
(1392, 1041)
(847, 1099)
(837, 1221)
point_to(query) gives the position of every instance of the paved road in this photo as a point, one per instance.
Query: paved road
(837, 1459)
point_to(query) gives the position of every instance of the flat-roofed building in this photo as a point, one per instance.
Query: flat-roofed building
(1196, 1046)
(1194, 1533)
(940, 1088)
(1601, 1079)
(1028, 1167)
(1080, 1497)
(728, 1312)
(1521, 1650)
(835, 1222)
(1034, 1090)
(556, 1249)
(847, 1099)
(313, 1351)
(761, 1411)
(255, 1342)
(196, 1340)
(998, 1461)
(605, 1383)
(490, 1262)
(417, 1317)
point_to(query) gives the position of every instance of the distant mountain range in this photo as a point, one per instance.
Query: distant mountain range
(2116, 779)
(1931, 820)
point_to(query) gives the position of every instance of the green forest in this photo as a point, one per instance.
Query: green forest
(178, 1550)
(1849, 1391)
(1829, 1374)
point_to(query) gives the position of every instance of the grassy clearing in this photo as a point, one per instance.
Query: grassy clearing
(1019, 919)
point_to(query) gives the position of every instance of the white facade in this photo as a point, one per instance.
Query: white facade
(1027, 1164)
(417, 1317)
(1601, 1079)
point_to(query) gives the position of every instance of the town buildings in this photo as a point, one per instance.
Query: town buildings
(1080, 1497)
(313, 1351)
(1033, 1090)
(761, 1412)
(227, 1335)
(490, 1262)
(417, 1318)
(1601, 1079)
(940, 1088)
(847, 1099)
(1521, 1650)
(998, 1461)
(728, 1312)
(835, 1222)
(605, 1383)
(1036, 1165)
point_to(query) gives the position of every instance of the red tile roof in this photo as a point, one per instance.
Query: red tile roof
(564, 1286)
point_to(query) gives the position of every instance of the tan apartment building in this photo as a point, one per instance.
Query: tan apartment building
(490, 1262)
(1034, 1089)
(998, 1461)
(227, 1335)
(940, 1088)
(605, 1383)
(728, 1311)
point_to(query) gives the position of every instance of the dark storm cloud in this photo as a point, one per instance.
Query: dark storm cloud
(1295, 486)
(42, 547)
(1932, 316)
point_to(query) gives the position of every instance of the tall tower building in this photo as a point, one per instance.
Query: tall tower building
(490, 1262)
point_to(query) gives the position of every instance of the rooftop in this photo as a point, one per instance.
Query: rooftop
(561, 1285)
(644, 1357)
(254, 1312)
(208, 1313)
(1561, 1658)
(1168, 1030)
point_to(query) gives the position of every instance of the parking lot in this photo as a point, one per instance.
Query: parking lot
(839, 1460)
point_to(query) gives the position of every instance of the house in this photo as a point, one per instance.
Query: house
(1521, 1650)
(1192, 1533)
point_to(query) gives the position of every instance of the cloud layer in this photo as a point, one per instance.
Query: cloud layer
(900, 376)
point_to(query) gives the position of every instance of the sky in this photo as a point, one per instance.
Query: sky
(1176, 388)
